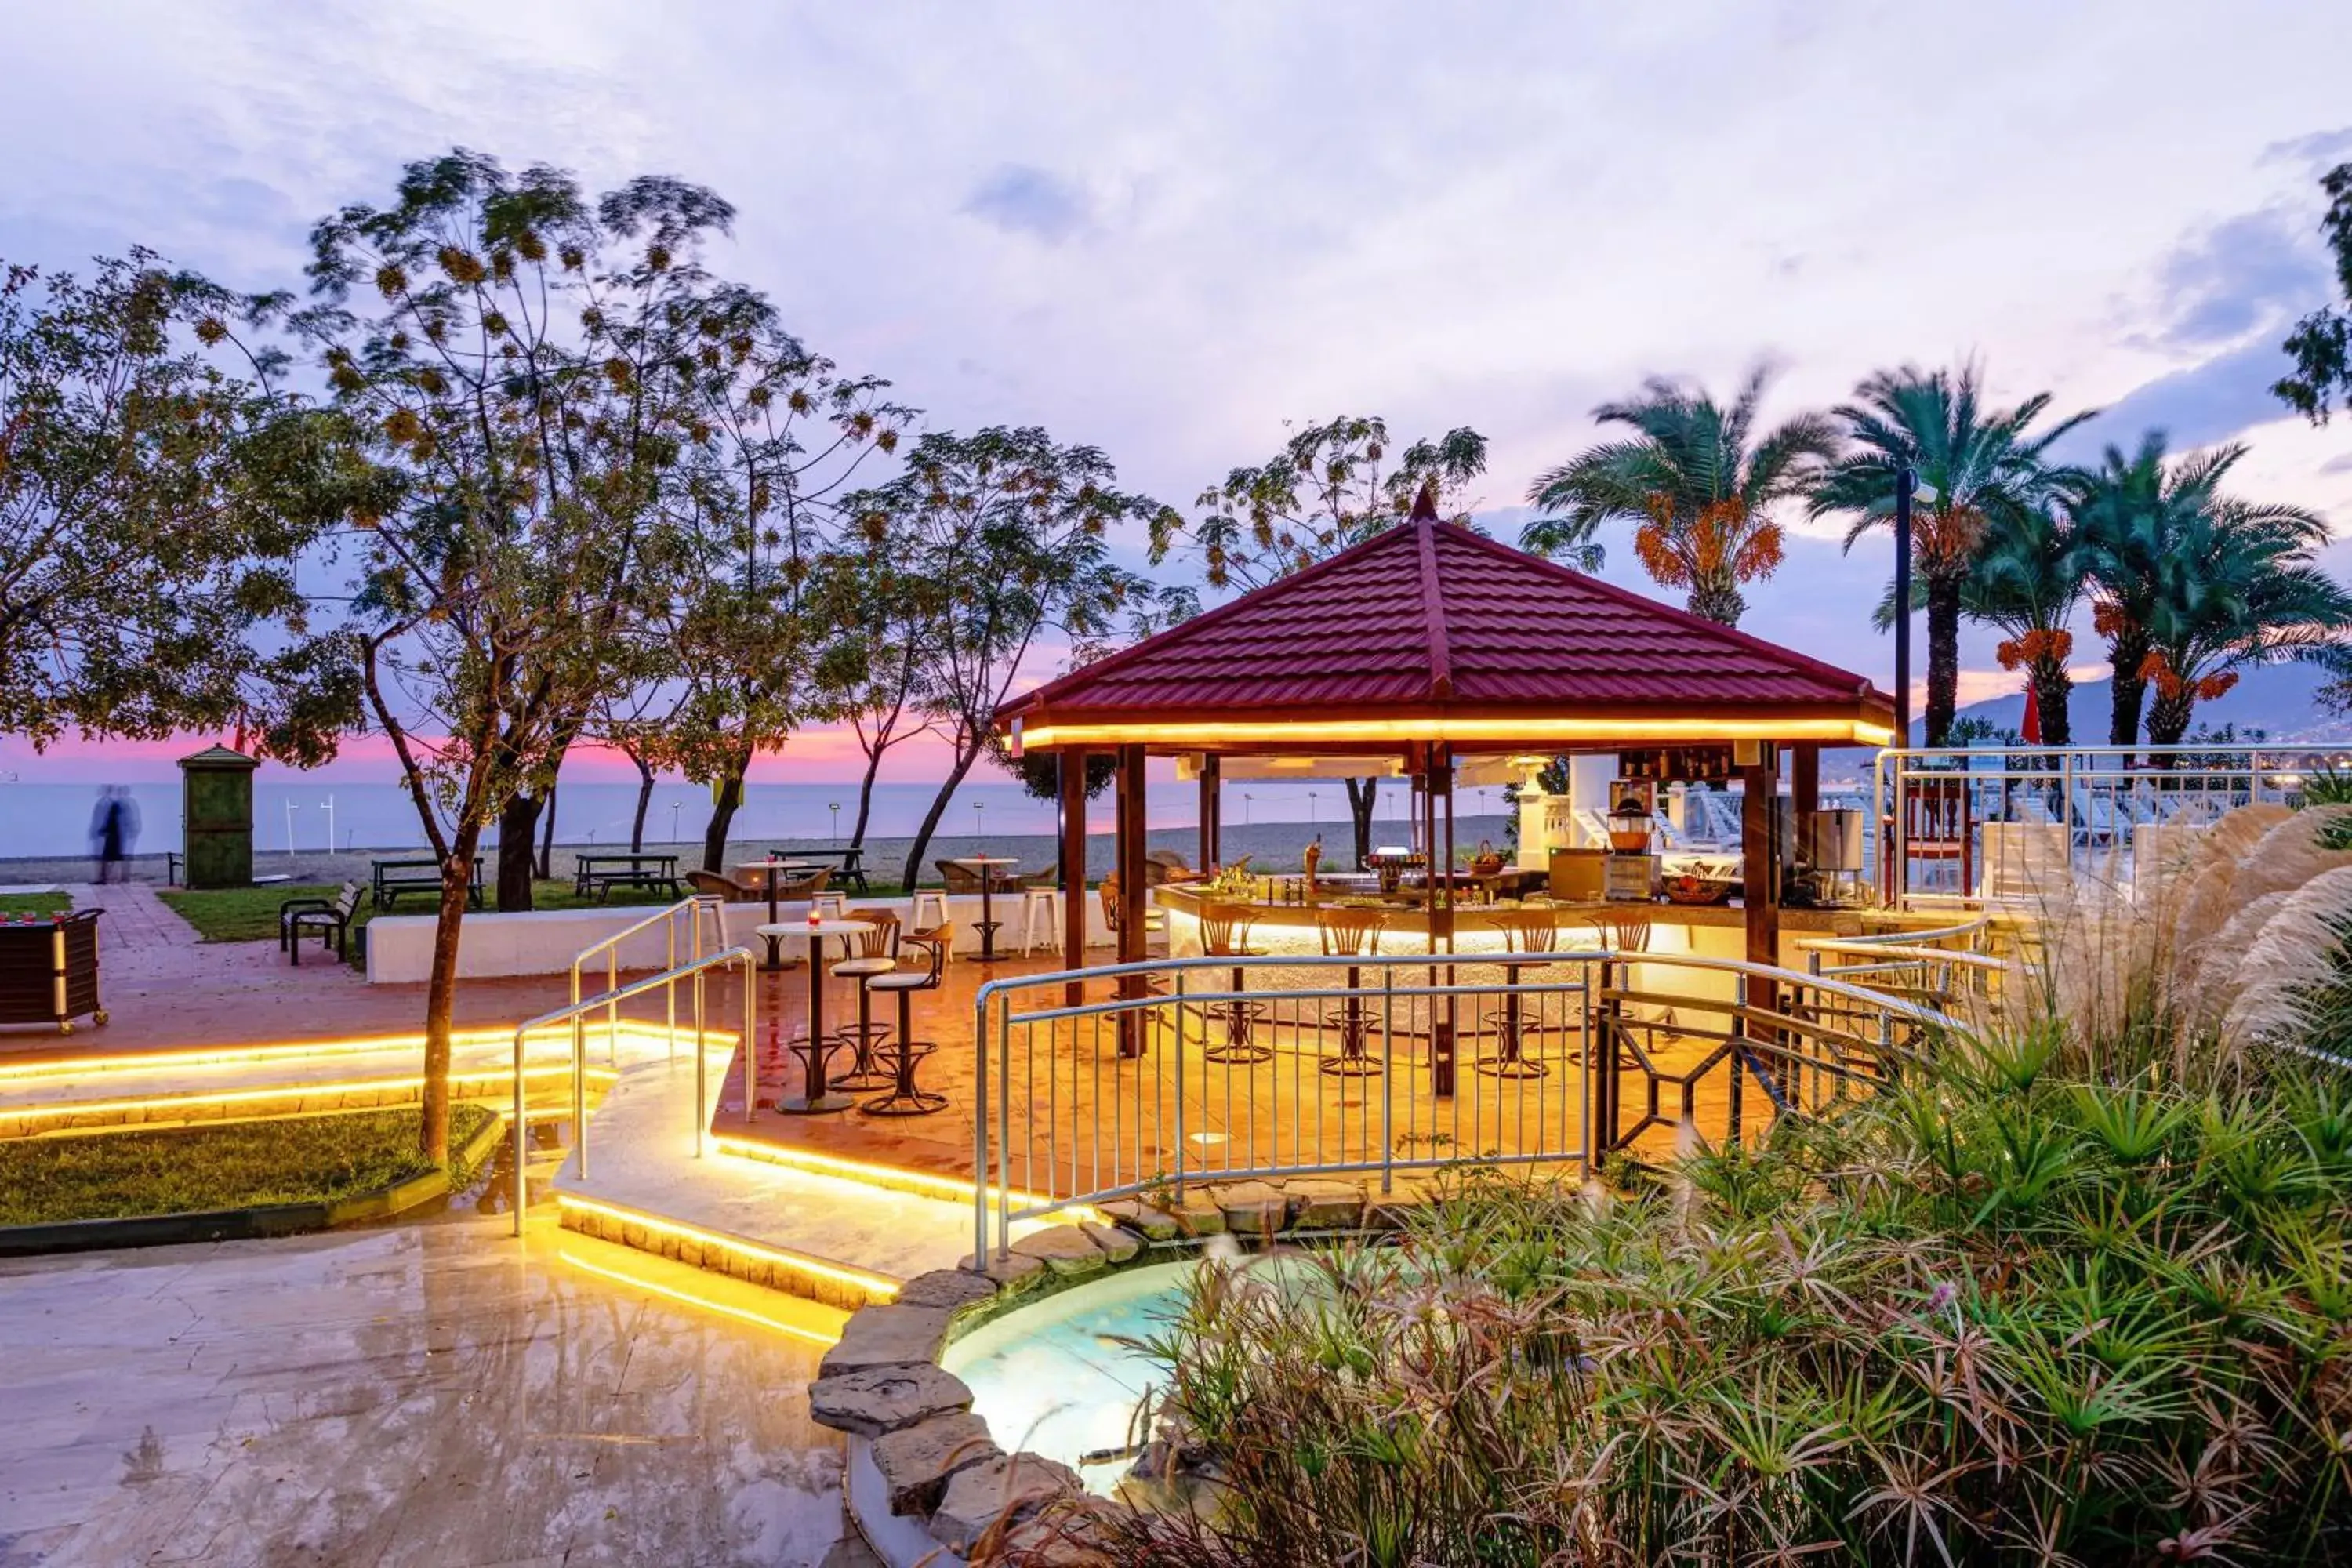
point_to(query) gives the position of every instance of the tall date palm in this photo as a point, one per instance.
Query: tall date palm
(2027, 581)
(1979, 469)
(1698, 482)
(2188, 582)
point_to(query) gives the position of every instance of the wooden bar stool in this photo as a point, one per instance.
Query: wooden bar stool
(905, 1052)
(1225, 933)
(1525, 930)
(875, 954)
(1350, 934)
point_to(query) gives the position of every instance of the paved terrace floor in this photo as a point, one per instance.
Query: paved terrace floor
(166, 991)
(436, 1392)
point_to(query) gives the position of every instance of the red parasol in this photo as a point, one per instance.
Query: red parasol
(2031, 729)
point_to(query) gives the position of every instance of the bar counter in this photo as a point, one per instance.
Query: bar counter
(1286, 925)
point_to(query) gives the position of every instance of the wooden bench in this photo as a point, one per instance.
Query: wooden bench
(393, 878)
(331, 918)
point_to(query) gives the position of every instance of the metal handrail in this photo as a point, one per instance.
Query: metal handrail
(572, 1012)
(992, 1037)
(610, 946)
(1898, 938)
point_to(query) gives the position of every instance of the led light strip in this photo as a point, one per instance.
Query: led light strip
(634, 1282)
(880, 1286)
(896, 1178)
(282, 1091)
(232, 1055)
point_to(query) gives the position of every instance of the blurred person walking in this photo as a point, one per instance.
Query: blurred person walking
(113, 830)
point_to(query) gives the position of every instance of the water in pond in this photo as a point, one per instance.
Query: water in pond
(1060, 1378)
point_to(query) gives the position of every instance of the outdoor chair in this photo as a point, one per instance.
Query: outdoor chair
(725, 889)
(1162, 866)
(960, 879)
(905, 1053)
(802, 890)
(1154, 919)
(331, 918)
(876, 954)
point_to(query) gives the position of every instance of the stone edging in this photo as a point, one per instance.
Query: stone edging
(239, 1225)
(929, 1473)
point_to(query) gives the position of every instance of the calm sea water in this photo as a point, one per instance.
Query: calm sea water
(301, 814)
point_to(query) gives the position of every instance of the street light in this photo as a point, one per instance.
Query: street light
(835, 807)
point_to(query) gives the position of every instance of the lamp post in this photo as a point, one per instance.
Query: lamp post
(1906, 484)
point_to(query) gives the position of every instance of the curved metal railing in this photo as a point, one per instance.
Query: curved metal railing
(1092, 1085)
(690, 909)
(578, 1008)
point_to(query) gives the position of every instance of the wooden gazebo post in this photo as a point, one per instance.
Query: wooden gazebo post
(1211, 812)
(1074, 868)
(1760, 843)
(1130, 892)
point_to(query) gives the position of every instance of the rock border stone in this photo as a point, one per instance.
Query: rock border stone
(943, 1469)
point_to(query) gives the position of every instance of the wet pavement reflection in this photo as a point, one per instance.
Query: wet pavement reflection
(431, 1392)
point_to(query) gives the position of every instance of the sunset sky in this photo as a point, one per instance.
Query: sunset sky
(1168, 230)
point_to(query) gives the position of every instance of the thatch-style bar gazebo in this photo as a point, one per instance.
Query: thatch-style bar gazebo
(1427, 644)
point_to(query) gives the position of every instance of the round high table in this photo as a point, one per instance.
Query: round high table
(767, 870)
(986, 865)
(816, 1100)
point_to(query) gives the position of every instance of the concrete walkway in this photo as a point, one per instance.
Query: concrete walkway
(426, 1393)
(641, 1156)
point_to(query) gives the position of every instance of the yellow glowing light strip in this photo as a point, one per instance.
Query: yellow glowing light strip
(688, 1298)
(880, 1286)
(1844, 732)
(279, 1092)
(918, 1183)
(232, 1055)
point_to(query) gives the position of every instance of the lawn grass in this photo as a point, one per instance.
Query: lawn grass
(36, 903)
(311, 1159)
(250, 914)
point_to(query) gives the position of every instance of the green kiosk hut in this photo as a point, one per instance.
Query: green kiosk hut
(217, 817)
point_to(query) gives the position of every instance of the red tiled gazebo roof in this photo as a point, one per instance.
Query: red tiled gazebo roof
(1430, 631)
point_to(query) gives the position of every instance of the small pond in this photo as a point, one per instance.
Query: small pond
(1058, 1378)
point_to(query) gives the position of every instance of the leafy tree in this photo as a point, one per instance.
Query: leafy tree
(1985, 471)
(2188, 582)
(2321, 344)
(517, 364)
(1324, 492)
(1698, 482)
(1013, 526)
(153, 501)
(787, 432)
(2028, 579)
(880, 612)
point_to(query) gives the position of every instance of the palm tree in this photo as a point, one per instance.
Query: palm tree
(2027, 580)
(2188, 582)
(2242, 588)
(1696, 482)
(1984, 467)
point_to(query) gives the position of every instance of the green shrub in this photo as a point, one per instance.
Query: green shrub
(2006, 1313)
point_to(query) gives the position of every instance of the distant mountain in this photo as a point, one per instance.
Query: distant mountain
(2281, 699)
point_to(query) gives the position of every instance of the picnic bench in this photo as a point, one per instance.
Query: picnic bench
(599, 874)
(849, 865)
(331, 918)
(393, 878)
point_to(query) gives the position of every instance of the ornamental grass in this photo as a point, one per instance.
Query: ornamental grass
(2011, 1312)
